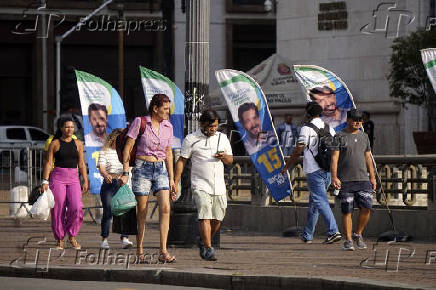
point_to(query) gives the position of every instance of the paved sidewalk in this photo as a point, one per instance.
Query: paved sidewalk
(245, 261)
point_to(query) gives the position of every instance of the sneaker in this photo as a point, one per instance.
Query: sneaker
(336, 237)
(104, 244)
(59, 244)
(348, 246)
(305, 240)
(209, 254)
(126, 244)
(201, 247)
(359, 241)
(74, 243)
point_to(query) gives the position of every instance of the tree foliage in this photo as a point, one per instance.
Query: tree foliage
(408, 79)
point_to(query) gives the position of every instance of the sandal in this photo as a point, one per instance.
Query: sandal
(74, 243)
(165, 257)
(141, 259)
(140, 256)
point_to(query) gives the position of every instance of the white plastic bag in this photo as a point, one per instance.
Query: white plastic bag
(50, 198)
(17, 195)
(40, 208)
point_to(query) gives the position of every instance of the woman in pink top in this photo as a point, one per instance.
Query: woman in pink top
(153, 169)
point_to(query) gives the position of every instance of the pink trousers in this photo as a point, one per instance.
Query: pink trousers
(67, 213)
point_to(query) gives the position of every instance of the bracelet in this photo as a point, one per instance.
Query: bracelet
(45, 181)
(125, 173)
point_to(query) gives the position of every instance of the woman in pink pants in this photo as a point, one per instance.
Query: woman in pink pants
(67, 213)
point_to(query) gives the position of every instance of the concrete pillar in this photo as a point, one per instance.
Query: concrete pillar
(183, 224)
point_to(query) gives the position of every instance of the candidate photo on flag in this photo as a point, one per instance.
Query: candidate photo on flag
(248, 107)
(103, 111)
(329, 91)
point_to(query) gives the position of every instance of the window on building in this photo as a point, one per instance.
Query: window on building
(249, 6)
(250, 43)
(332, 16)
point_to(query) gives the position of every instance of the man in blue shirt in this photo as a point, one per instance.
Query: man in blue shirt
(288, 134)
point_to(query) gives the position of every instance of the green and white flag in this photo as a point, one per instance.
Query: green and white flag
(156, 83)
(103, 111)
(429, 59)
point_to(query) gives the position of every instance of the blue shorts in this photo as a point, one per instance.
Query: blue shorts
(148, 176)
(357, 193)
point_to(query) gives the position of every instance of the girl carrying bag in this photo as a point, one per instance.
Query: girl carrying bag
(123, 201)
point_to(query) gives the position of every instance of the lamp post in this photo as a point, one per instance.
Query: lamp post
(184, 224)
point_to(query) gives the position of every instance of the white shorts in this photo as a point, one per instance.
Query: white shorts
(209, 207)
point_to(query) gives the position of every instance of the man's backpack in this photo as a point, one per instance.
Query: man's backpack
(121, 142)
(325, 143)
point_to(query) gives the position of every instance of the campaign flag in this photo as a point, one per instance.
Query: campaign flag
(329, 91)
(103, 111)
(429, 59)
(155, 83)
(250, 113)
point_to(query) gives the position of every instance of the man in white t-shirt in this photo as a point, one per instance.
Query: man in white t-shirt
(318, 180)
(208, 150)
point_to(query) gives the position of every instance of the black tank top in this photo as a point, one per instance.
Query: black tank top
(67, 156)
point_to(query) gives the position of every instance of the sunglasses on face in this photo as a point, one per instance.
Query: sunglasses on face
(357, 119)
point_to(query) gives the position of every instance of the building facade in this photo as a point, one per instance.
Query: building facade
(353, 39)
(110, 45)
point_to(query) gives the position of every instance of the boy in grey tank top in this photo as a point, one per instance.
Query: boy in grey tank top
(353, 172)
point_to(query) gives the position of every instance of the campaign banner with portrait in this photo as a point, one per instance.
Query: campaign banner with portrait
(155, 83)
(329, 91)
(250, 113)
(103, 111)
(429, 59)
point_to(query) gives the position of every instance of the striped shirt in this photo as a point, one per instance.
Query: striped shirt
(108, 159)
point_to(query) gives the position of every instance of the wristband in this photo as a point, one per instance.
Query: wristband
(45, 181)
(125, 173)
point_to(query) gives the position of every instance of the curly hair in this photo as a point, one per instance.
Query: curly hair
(158, 100)
(111, 138)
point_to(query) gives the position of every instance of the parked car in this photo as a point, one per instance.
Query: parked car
(22, 135)
(13, 141)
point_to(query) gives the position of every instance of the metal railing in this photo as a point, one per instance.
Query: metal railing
(23, 166)
(406, 180)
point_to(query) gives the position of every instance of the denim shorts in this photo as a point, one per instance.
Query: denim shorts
(358, 194)
(148, 176)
